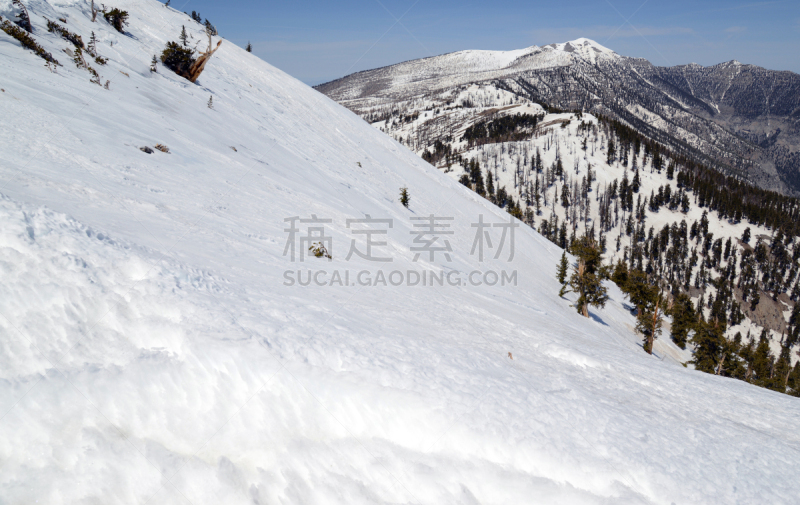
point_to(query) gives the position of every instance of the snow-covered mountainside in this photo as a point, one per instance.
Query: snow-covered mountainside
(531, 153)
(743, 119)
(157, 344)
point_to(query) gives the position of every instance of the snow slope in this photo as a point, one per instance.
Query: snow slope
(151, 352)
(423, 122)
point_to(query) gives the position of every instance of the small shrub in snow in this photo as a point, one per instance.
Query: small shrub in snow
(95, 77)
(162, 148)
(177, 58)
(77, 57)
(405, 199)
(319, 250)
(65, 34)
(117, 18)
(26, 40)
(211, 102)
(181, 60)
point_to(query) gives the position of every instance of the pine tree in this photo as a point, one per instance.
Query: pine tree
(565, 196)
(763, 362)
(561, 274)
(587, 275)
(91, 48)
(249, 47)
(709, 346)
(154, 64)
(178, 59)
(793, 381)
(490, 186)
(405, 199)
(683, 319)
(782, 370)
(476, 177)
(684, 203)
(636, 184)
(211, 102)
(649, 321)
(610, 151)
(210, 29)
(117, 18)
(183, 37)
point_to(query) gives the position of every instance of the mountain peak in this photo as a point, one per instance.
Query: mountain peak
(585, 48)
(584, 42)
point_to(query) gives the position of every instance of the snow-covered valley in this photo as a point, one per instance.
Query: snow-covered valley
(151, 350)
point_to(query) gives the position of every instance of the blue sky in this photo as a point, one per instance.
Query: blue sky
(317, 41)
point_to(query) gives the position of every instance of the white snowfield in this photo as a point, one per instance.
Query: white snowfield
(150, 351)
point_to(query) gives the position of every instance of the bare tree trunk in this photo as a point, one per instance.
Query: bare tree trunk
(200, 64)
(94, 12)
(719, 367)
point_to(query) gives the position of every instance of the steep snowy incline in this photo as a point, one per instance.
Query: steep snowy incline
(151, 351)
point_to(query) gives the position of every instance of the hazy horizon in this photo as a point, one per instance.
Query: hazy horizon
(318, 41)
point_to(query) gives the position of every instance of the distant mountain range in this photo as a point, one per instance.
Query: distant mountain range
(741, 119)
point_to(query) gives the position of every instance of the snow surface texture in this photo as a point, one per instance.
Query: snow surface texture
(152, 354)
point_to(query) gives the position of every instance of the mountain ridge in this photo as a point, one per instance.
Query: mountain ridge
(687, 111)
